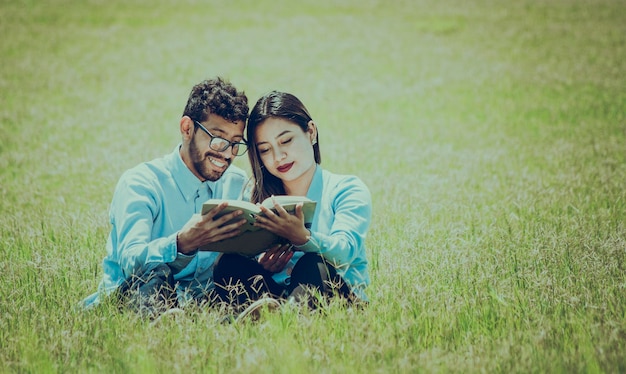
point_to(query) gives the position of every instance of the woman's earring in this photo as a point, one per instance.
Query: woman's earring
(314, 142)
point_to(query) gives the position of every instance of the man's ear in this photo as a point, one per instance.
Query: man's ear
(312, 130)
(186, 128)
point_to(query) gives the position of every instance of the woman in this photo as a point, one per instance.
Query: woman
(330, 257)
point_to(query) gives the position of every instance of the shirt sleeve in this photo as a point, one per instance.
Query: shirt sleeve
(133, 210)
(352, 207)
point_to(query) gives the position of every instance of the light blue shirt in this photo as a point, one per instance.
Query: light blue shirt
(151, 203)
(339, 228)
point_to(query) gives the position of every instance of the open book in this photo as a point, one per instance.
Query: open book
(254, 240)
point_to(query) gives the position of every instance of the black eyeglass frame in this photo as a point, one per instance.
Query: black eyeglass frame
(236, 145)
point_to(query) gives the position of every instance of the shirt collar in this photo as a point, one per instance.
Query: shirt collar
(317, 185)
(187, 182)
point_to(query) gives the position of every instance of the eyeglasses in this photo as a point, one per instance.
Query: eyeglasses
(220, 144)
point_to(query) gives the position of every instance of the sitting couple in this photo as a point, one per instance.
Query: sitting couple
(152, 261)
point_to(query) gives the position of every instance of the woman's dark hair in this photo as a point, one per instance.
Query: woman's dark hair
(274, 105)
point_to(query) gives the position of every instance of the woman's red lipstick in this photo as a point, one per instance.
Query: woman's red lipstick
(285, 168)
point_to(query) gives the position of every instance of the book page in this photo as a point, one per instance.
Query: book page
(284, 200)
(249, 210)
(233, 205)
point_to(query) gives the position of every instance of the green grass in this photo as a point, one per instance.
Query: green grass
(492, 136)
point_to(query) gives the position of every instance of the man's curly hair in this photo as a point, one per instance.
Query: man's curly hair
(219, 97)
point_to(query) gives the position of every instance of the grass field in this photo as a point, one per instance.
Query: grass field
(492, 135)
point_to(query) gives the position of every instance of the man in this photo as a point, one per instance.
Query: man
(152, 260)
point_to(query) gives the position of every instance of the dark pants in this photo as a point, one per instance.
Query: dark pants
(240, 279)
(150, 293)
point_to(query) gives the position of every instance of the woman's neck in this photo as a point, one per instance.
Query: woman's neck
(300, 186)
